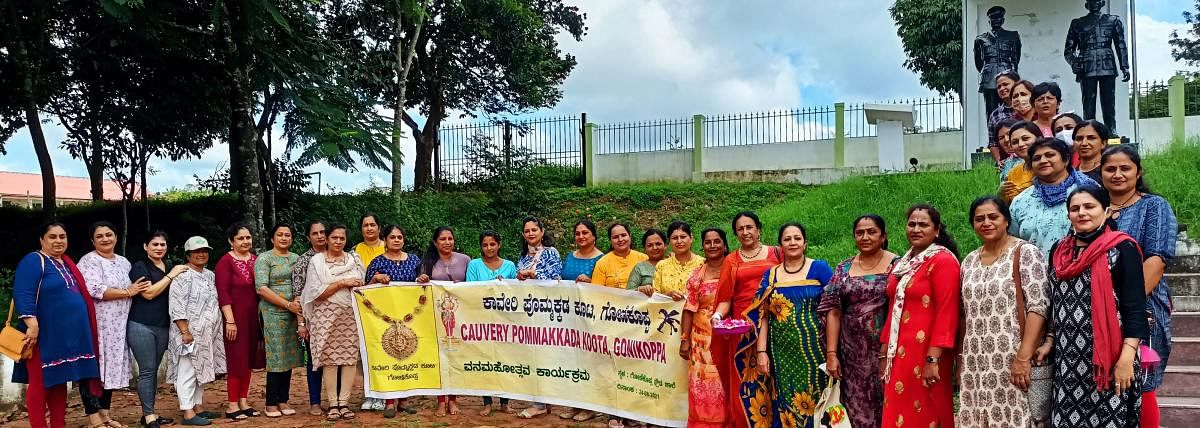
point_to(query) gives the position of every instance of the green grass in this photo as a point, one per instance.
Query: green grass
(827, 211)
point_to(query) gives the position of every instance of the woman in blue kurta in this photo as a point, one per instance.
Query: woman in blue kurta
(1147, 218)
(1039, 213)
(59, 320)
(790, 345)
(486, 268)
(394, 265)
(539, 260)
(580, 263)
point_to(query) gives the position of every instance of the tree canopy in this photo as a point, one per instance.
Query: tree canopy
(1185, 48)
(931, 33)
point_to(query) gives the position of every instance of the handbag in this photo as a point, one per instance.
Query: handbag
(829, 411)
(12, 341)
(1041, 378)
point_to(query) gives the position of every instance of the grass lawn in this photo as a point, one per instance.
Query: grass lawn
(827, 211)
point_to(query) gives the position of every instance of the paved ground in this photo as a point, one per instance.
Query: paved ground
(127, 411)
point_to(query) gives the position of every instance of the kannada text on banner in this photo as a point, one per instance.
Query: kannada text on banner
(556, 342)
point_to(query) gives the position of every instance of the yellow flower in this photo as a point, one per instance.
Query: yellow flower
(803, 403)
(787, 419)
(781, 307)
(760, 409)
(750, 370)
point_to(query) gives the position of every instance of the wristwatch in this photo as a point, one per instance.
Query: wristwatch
(931, 360)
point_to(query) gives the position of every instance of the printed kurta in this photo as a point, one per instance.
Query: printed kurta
(707, 393)
(101, 274)
(300, 272)
(333, 331)
(740, 282)
(235, 287)
(670, 276)
(795, 344)
(397, 271)
(992, 337)
(1035, 221)
(1152, 223)
(282, 344)
(194, 299)
(544, 261)
(929, 318)
(613, 271)
(863, 303)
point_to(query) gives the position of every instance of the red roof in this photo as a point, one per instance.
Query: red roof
(77, 188)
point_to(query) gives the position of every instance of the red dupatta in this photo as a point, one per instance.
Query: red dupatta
(1106, 327)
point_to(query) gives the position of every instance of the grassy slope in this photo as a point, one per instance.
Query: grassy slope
(827, 211)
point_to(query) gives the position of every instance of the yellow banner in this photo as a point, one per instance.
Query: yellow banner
(555, 342)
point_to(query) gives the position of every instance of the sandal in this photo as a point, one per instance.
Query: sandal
(333, 414)
(249, 411)
(615, 423)
(288, 411)
(583, 415)
(274, 414)
(237, 416)
(112, 424)
(568, 414)
(532, 412)
(346, 412)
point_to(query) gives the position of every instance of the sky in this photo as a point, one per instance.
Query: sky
(659, 59)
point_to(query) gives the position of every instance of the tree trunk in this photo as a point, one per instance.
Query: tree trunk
(243, 136)
(49, 196)
(404, 62)
(95, 169)
(145, 193)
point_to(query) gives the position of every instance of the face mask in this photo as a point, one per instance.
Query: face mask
(1066, 137)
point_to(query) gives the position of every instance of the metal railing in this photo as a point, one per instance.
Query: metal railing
(555, 140)
(645, 136)
(1152, 99)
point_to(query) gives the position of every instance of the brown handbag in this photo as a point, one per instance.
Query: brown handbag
(12, 341)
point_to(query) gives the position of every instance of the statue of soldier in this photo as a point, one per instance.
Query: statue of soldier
(996, 51)
(1089, 51)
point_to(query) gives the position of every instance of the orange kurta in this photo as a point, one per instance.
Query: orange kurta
(929, 318)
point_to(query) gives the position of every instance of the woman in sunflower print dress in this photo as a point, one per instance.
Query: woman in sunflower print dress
(278, 309)
(789, 345)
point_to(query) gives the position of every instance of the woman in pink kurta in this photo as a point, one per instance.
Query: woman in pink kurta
(239, 304)
(706, 389)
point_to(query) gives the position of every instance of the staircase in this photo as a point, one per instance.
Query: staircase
(1179, 396)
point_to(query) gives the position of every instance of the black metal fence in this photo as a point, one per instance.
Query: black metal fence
(556, 140)
(645, 136)
(1152, 100)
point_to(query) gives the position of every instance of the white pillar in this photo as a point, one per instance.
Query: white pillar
(891, 146)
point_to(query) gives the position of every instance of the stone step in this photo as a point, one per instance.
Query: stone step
(1183, 284)
(1184, 264)
(1178, 412)
(1185, 350)
(1181, 381)
(1185, 324)
(1185, 304)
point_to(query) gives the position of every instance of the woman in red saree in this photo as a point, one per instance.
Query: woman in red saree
(741, 276)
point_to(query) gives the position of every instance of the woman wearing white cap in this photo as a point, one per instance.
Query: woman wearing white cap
(197, 349)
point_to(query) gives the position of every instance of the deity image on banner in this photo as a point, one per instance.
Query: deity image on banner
(1089, 50)
(996, 51)
(448, 305)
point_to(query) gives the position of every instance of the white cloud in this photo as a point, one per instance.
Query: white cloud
(1154, 58)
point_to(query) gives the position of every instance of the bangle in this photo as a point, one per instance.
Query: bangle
(170, 277)
(882, 357)
(1026, 360)
(831, 352)
(762, 352)
(230, 323)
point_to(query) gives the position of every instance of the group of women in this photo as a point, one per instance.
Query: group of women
(1067, 290)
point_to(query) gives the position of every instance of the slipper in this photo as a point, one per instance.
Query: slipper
(208, 414)
(568, 414)
(615, 423)
(532, 412)
(583, 415)
(196, 421)
(113, 424)
(288, 411)
(271, 414)
(315, 410)
(389, 412)
(249, 411)
(237, 416)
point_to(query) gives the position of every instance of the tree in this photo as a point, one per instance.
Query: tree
(931, 32)
(30, 75)
(1187, 49)
(484, 57)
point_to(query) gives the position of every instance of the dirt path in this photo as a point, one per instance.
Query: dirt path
(127, 411)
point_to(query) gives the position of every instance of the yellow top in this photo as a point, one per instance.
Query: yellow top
(368, 253)
(1021, 178)
(613, 270)
(671, 276)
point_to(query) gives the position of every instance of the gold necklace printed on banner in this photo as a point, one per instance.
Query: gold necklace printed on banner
(399, 341)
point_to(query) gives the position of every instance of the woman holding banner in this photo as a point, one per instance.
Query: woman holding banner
(399, 266)
(654, 244)
(442, 263)
(672, 273)
(614, 268)
(741, 277)
(487, 268)
(580, 263)
(707, 393)
(789, 345)
(539, 260)
(333, 331)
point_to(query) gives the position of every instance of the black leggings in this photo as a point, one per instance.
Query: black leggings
(278, 386)
(91, 403)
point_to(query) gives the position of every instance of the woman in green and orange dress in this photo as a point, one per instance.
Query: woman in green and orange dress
(789, 345)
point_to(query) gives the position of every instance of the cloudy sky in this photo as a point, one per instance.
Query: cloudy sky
(652, 59)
